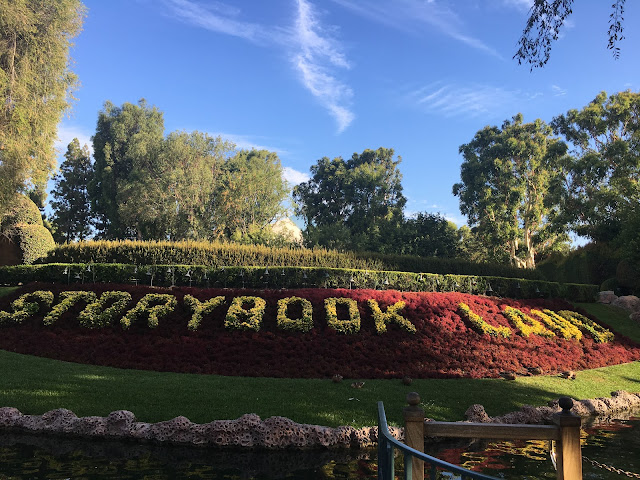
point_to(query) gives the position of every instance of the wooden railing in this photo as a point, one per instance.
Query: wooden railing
(564, 433)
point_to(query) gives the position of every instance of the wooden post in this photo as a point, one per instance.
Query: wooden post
(414, 432)
(568, 452)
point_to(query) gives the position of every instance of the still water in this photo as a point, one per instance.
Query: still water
(23, 456)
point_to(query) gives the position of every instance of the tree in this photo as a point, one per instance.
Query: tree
(543, 27)
(249, 195)
(72, 217)
(429, 235)
(126, 146)
(505, 190)
(600, 178)
(354, 205)
(35, 87)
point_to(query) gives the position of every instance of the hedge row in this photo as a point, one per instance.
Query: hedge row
(234, 255)
(292, 277)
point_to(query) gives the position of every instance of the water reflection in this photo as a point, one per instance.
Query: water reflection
(26, 456)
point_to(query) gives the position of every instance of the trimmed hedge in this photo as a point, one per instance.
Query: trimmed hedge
(234, 255)
(293, 277)
(34, 241)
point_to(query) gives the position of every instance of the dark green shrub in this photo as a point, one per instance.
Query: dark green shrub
(293, 277)
(34, 241)
(592, 263)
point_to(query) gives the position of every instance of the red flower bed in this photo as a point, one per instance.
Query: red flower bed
(444, 345)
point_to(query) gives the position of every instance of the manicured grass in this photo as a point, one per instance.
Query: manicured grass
(7, 290)
(35, 385)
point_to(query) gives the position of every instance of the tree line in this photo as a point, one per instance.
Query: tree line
(147, 186)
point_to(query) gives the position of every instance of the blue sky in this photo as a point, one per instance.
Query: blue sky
(314, 78)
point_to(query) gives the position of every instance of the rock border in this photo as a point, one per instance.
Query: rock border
(619, 401)
(250, 431)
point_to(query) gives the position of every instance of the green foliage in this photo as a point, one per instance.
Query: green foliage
(591, 263)
(35, 88)
(600, 179)
(295, 277)
(392, 315)
(35, 241)
(22, 211)
(346, 326)
(153, 305)
(355, 205)
(598, 332)
(302, 324)
(241, 318)
(505, 189)
(543, 28)
(428, 235)
(66, 301)
(72, 217)
(249, 194)
(106, 310)
(525, 324)
(200, 309)
(480, 325)
(223, 254)
(26, 305)
(126, 146)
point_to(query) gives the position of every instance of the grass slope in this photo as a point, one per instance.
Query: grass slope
(35, 385)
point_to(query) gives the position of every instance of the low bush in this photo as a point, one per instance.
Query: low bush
(235, 255)
(292, 277)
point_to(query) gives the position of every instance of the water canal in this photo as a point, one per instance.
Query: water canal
(24, 456)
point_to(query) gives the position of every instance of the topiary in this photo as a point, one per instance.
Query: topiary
(34, 241)
(21, 211)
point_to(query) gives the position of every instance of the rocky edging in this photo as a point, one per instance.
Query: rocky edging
(274, 432)
(619, 401)
(247, 431)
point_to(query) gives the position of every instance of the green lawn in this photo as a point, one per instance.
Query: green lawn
(35, 385)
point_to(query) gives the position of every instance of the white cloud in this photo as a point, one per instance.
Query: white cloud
(248, 142)
(294, 177)
(317, 55)
(416, 16)
(66, 133)
(454, 100)
(219, 17)
(524, 5)
(558, 91)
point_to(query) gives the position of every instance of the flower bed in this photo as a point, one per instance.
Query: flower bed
(354, 333)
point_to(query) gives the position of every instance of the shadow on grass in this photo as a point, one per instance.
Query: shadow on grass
(35, 385)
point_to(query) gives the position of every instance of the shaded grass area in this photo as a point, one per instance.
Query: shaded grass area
(615, 317)
(35, 385)
(7, 290)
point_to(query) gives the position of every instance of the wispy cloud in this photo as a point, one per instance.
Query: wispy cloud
(221, 18)
(524, 5)
(315, 53)
(414, 15)
(317, 56)
(452, 100)
(249, 142)
(67, 132)
(558, 91)
(293, 176)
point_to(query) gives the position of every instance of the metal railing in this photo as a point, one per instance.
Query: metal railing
(564, 434)
(386, 466)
